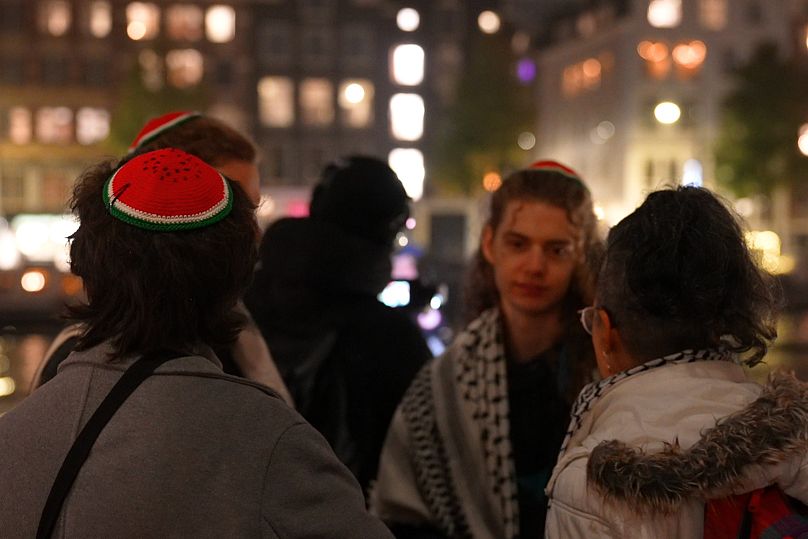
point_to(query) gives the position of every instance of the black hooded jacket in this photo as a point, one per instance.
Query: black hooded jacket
(316, 289)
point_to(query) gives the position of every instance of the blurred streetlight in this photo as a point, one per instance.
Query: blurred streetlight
(667, 112)
(488, 22)
(802, 141)
(408, 19)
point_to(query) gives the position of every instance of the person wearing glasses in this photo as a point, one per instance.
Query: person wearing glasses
(474, 440)
(681, 307)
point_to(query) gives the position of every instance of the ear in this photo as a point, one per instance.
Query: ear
(487, 244)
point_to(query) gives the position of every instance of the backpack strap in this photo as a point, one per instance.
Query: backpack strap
(80, 450)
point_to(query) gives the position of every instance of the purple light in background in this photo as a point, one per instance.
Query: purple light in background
(526, 70)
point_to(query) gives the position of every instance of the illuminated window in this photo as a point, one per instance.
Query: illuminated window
(184, 22)
(689, 57)
(100, 19)
(356, 102)
(55, 17)
(142, 20)
(185, 67)
(54, 125)
(657, 58)
(276, 104)
(92, 125)
(316, 102)
(586, 75)
(408, 64)
(220, 24)
(19, 125)
(665, 13)
(407, 116)
(408, 164)
(713, 14)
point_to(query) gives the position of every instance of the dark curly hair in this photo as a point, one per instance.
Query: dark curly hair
(678, 274)
(158, 290)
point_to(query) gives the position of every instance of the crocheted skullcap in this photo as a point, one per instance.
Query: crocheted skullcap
(167, 190)
(156, 126)
(555, 166)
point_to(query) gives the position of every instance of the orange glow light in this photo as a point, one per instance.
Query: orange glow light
(492, 181)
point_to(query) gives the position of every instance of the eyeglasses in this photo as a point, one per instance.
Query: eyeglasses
(587, 315)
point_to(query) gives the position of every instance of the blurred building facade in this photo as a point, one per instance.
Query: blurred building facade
(630, 91)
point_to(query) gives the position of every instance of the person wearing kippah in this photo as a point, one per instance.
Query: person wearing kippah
(232, 154)
(140, 433)
(346, 357)
(472, 443)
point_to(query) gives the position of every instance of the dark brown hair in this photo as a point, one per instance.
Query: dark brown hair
(158, 290)
(209, 139)
(678, 274)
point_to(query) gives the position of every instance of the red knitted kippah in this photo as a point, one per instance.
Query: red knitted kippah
(161, 124)
(555, 166)
(167, 190)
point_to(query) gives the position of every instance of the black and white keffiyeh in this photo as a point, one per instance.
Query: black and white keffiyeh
(592, 392)
(480, 371)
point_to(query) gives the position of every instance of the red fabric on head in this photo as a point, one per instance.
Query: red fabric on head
(554, 165)
(158, 125)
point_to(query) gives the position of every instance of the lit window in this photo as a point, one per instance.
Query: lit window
(407, 116)
(689, 57)
(584, 75)
(316, 102)
(220, 24)
(665, 13)
(142, 20)
(184, 21)
(408, 64)
(54, 125)
(55, 17)
(408, 164)
(713, 14)
(408, 19)
(100, 19)
(356, 101)
(185, 67)
(92, 125)
(657, 58)
(19, 125)
(276, 105)
(667, 112)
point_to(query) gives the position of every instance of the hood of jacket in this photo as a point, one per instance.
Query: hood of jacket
(306, 267)
(770, 431)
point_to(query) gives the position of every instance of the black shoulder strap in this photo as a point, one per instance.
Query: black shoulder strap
(78, 453)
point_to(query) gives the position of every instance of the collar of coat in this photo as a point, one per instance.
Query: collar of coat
(771, 430)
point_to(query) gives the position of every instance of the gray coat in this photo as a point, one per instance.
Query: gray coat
(192, 453)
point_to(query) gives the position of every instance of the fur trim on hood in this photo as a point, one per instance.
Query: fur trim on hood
(771, 430)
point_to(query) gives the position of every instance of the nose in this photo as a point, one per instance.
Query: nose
(537, 261)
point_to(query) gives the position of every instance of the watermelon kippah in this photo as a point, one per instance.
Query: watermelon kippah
(555, 166)
(168, 190)
(156, 126)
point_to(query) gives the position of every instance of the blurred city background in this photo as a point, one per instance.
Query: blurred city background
(634, 94)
